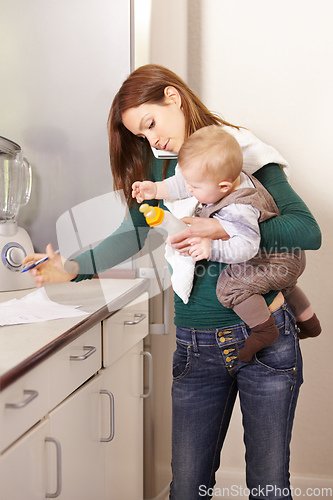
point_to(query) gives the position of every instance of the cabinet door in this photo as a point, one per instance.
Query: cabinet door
(74, 364)
(125, 329)
(76, 425)
(124, 453)
(23, 404)
(23, 466)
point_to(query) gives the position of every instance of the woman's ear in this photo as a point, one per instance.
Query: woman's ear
(173, 95)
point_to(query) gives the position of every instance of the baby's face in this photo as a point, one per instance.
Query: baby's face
(203, 188)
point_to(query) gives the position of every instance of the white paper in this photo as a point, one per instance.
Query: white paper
(35, 307)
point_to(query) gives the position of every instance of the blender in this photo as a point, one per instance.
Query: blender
(15, 243)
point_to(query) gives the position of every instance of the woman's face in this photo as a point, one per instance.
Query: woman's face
(162, 125)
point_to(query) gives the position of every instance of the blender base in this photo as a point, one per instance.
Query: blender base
(11, 278)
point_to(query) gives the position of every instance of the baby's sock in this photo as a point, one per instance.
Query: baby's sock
(309, 328)
(262, 335)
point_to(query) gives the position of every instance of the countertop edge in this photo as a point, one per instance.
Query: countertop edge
(71, 334)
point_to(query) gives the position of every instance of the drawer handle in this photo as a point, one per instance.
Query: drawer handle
(140, 317)
(90, 350)
(111, 397)
(59, 467)
(30, 396)
(150, 384)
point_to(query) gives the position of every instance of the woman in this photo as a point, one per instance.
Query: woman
(155, 108)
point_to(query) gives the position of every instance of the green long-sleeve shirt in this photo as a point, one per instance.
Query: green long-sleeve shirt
(294, 228)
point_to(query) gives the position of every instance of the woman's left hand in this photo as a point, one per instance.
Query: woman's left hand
(199, 227)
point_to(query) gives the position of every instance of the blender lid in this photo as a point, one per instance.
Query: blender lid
(8, 147)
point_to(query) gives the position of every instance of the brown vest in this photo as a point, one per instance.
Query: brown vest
(258, 197)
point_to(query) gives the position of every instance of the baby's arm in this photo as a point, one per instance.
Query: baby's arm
(148, 190)
(241, 223)
(173, 188)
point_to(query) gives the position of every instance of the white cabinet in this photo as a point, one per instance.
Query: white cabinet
(124, 329)
(23, 466)
(75, 428)
(123, 377)
(74, 364)
(124, 453)
(72, 428)
(23, 404)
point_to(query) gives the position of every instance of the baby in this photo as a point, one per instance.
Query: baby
(210, 162)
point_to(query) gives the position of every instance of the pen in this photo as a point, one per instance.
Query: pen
(37, 263)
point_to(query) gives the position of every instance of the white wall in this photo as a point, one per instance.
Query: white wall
(61, 65)
(168, 35)
(267, 65)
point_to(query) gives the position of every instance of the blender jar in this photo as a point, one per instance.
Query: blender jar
(15, 180)
(15, 243)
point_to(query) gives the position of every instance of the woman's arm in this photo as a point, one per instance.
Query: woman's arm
(295, 227)
(198, 227)
(124, 243)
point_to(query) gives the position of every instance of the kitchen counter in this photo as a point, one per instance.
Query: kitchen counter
(71, 401)
(22, 347)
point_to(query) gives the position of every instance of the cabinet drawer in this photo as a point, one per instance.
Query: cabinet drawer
(74, 364)
(124, 329)
(23, 404)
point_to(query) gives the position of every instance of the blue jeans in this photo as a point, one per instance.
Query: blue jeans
(207, 376)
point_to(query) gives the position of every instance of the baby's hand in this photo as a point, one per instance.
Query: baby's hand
(199, 248)
(145, 190)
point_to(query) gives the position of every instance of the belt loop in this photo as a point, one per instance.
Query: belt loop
(291, 317)
(194, 342)
(287, 319)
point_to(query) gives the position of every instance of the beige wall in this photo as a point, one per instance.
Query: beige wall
(268, 66)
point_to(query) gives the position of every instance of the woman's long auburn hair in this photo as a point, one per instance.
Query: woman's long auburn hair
(130, 156)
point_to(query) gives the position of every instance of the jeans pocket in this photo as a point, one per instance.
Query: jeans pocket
(181, 360)
(281, 356)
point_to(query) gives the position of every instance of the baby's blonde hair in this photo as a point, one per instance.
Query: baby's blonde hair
(214, 151)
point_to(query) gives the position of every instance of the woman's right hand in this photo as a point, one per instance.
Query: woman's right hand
(55, 270)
